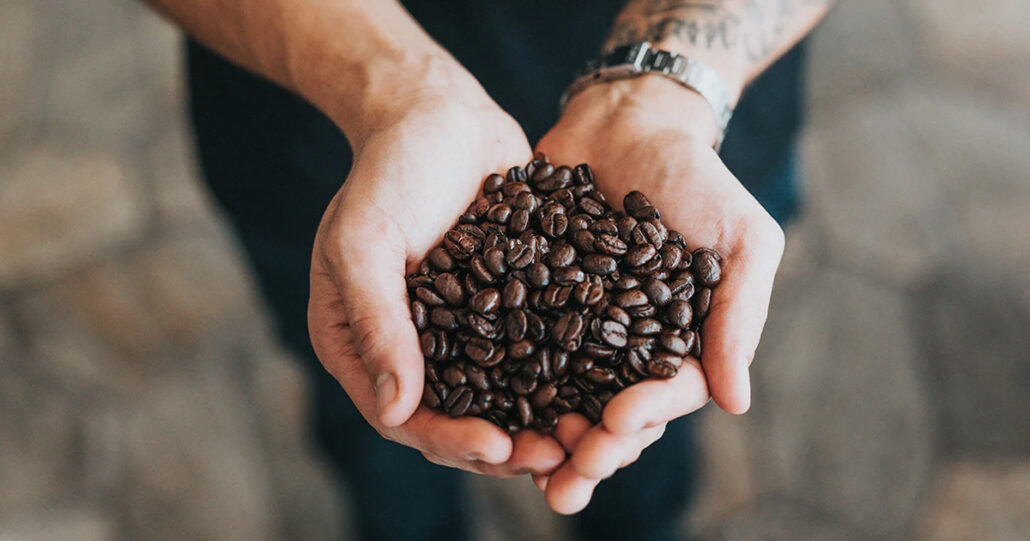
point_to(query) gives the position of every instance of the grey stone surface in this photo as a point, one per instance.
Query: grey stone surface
(979, 356)
(17, 20)
(59, 208)
(58, 524)
(976, 499)
(515, 510)
(841, 412)
(859, 48)
(981, 44)
(170, 166)
(728, 476)
(872, 191)
(192, 460)
(779, 519)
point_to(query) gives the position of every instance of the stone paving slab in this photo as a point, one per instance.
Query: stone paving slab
(841, 411)
(779, 519)
(871, 190)
(986, 500)
(979, 357)
(17, 20)
(60, 206)
(58, 524)
(983, 44)
(859, 48)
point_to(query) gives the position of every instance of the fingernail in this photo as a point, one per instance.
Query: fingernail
(386, 390)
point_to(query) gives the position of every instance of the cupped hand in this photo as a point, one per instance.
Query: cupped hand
(410, 180)
(653, 136)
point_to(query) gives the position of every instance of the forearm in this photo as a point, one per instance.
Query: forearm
(360, 62)
(738, 38)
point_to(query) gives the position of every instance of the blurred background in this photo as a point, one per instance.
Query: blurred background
(143, 396)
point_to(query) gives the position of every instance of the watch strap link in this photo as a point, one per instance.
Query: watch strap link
(636, 59)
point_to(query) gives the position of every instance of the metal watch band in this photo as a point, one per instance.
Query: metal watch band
(636, 59)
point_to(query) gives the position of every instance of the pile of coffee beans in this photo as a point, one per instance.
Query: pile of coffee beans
(544, 300)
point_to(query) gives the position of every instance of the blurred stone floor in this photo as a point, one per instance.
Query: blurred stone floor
(142, 395)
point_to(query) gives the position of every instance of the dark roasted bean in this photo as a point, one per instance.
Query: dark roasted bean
(429, 397)
(614, 333)
(661, 369)
(701, 302)
(443, 318)
(673, 344)
(538, 275)
(631, 298)
(618, 314)
(657, 291)
(516, 174)
(525, 410)
(419, 315)
(514, 295)
(515, 325)
(600, 376)
(544, 395)
(562, 255)
(634, 201)
(521, 350)
(458, 401)
(706, 267)
(449, 287)
(645, 327)
(486, 302)
(679, 314)
(588, 293)
(568, 331)
(640, 254)
(582, 174)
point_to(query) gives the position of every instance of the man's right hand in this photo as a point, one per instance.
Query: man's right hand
(414, 172)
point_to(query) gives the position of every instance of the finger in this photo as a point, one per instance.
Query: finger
(654, 402)
(535, 453)
(600, 453)
(568, 492)
(731, 333)
(571, 427)
(541, 481)
(373, 291)
(464, 438)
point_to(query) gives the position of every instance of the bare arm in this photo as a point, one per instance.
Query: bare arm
(739, 38)
(360, 62)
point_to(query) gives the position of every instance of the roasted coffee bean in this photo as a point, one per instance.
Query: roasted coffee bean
(538, 266)
(600, 376)
(441, 260)
(515, 325)
(525, 410)
(568, 331)
(458, 401)
(477, 377)
(453, 376)
(516, 174)
(589, 292)
(661, 369)
(673, 344)
(519, 254)
(479, 350)
(443, 318)
(419, 315)
(657, 291)
(706, 267)
(701, 302)
(640, 254)
(544, 395)
(647, 233)
(631, 298)
(668, 358)
(514, 296)
(519, 221)
(679, 314)
(599, 264)
(556, 296)
(449, 287)
(591, 207)
(618, 314)
(671, 256)
(560, 178)
(634, 201)
(582, 174)
(567, 276)
(486, 302)
(695, 349)
(614, 333)
(428, 296)
(521, 350)
(429, 397)
(538, 275)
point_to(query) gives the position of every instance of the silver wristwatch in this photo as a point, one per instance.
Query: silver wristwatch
(636, 59)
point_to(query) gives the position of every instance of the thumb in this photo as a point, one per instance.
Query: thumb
(372, 288)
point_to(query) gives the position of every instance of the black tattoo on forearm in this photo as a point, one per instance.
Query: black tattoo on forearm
(755, 27)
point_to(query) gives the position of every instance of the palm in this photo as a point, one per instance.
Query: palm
(701, 199)
(406, 188)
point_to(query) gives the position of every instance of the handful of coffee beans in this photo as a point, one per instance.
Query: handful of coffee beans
(543, 300)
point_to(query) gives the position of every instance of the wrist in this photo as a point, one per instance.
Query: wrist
(648, 102)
